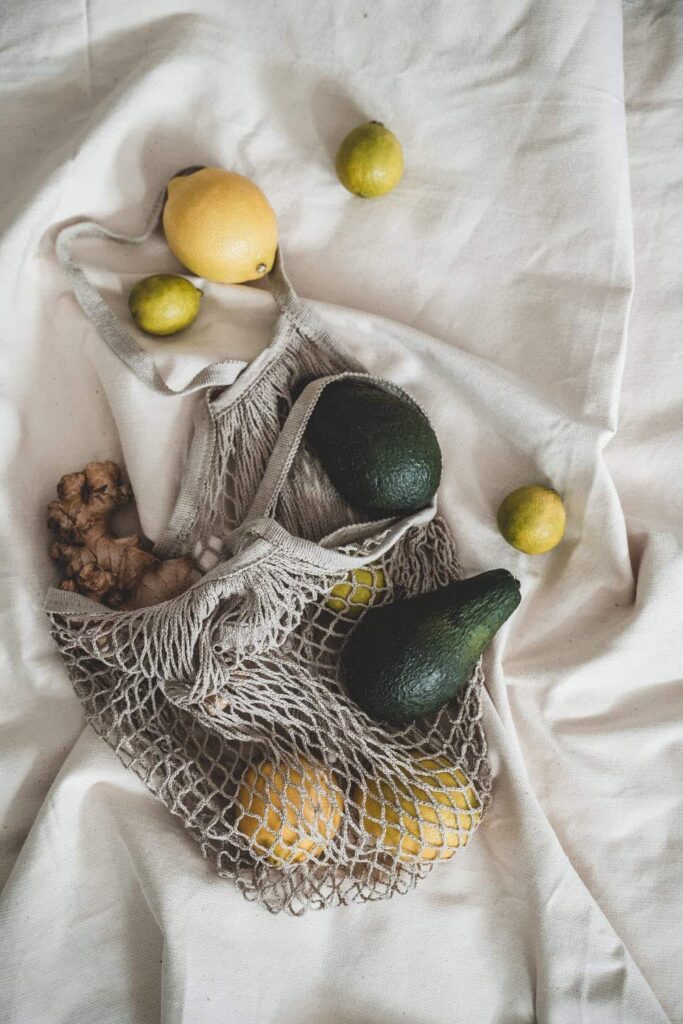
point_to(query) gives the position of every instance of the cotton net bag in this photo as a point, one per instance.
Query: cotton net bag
(228, 701)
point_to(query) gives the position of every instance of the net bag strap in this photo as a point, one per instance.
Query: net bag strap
(114, 332)
(325, 557)
(259, 521)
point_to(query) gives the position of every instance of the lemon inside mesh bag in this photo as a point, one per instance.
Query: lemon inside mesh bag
(359, 590)
(289, 812)
(426, 819)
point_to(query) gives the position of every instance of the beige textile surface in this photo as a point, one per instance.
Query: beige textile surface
(538, 235)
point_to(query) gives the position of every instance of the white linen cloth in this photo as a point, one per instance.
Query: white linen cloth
(537, 233)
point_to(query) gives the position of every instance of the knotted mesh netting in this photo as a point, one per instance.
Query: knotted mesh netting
(229, 700)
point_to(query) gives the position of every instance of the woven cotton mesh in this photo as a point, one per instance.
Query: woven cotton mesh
(236, 468)
(229, 702)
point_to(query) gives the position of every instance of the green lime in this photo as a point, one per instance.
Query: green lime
(370, 160)
(532, 519)
(164, 303)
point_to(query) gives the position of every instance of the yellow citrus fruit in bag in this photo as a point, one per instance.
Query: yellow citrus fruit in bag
(220, 225)
(425, 818)
(532, 519)
(370, 160)
(357, 591)
(290, 812)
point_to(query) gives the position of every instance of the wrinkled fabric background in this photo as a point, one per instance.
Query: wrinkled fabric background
(537, 235)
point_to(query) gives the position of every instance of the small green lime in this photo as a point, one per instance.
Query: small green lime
(532, 519)
(370, 160)
(164, 303)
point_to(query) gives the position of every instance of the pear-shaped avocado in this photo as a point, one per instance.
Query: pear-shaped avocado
(377, 447)
(409, 658)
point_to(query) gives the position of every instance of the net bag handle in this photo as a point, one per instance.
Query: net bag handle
(259, 524)
(259, 521)
(114, 332)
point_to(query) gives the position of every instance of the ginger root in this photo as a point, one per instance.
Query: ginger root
(120, 572)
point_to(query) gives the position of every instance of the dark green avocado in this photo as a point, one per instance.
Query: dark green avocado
(378, 448)
(409, 658)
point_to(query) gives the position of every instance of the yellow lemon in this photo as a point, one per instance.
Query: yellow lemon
(422, 820)
(532, 519)
(290, 812)
(164, 303)
(220, 225)
(357, 591)
(370, 160)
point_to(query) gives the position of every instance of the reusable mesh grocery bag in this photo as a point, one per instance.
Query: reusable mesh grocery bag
(229, 701)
